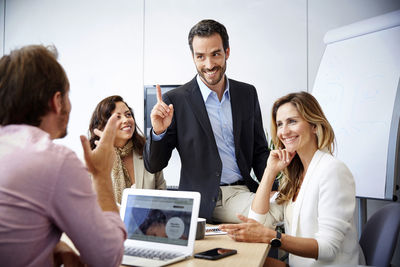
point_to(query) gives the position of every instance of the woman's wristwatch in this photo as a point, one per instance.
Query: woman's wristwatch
(276, 241)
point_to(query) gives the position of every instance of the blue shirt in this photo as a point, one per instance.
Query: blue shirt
(220, 115)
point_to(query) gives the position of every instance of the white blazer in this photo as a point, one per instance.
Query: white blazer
(145, 179)
(324, 210)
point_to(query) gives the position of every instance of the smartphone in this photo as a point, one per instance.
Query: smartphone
(215, 253)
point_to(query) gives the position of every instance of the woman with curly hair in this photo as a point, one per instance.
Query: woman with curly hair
(128, 170)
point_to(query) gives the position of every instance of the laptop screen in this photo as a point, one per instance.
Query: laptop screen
(158, 219)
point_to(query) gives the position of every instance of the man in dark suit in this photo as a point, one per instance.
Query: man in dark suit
(215, 124)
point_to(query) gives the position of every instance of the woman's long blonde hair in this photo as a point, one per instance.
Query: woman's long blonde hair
(311, 111)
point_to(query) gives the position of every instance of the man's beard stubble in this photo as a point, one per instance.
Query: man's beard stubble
(63, 122)
(216, 81)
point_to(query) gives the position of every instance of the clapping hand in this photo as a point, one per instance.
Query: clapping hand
(98, 133)
(101, 159)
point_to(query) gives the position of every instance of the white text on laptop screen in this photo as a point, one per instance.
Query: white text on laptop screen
(158, 219)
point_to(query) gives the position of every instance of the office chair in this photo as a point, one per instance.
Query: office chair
(379, 237)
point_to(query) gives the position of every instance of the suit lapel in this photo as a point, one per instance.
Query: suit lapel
(138, 170)
(307, 179)
(198, 107)
(236, 114)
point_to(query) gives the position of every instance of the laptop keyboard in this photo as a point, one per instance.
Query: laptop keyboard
(150, 253)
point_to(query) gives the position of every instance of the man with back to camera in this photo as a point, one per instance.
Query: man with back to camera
(215, 124)
(44, 188)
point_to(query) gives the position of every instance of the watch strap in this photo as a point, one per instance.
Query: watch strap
(278, 235)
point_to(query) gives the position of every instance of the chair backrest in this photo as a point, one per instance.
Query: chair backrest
(379, 237)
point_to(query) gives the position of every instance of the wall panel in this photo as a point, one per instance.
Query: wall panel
(100, 46)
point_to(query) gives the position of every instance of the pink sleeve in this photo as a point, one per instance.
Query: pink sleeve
(98, 235)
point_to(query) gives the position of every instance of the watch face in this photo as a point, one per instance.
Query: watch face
(275, 242)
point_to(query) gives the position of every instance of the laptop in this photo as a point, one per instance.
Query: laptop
(161, 226)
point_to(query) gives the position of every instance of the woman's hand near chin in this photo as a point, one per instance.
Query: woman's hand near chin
(278, 160)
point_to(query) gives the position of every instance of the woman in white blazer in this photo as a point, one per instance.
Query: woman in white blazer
(128, 170)
(316, 197)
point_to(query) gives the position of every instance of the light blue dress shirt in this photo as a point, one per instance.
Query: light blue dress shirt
(220, 115)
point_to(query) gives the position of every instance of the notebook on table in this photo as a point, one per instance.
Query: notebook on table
(214, 230)
(161, 226)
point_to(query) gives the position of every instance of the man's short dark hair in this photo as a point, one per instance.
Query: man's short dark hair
(29, 78)
(206, 28)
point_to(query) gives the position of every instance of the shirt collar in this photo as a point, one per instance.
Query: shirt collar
(205, 91)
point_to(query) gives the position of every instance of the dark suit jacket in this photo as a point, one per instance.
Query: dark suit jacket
(191, 133)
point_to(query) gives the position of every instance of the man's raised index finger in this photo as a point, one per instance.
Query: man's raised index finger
(159, 96)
